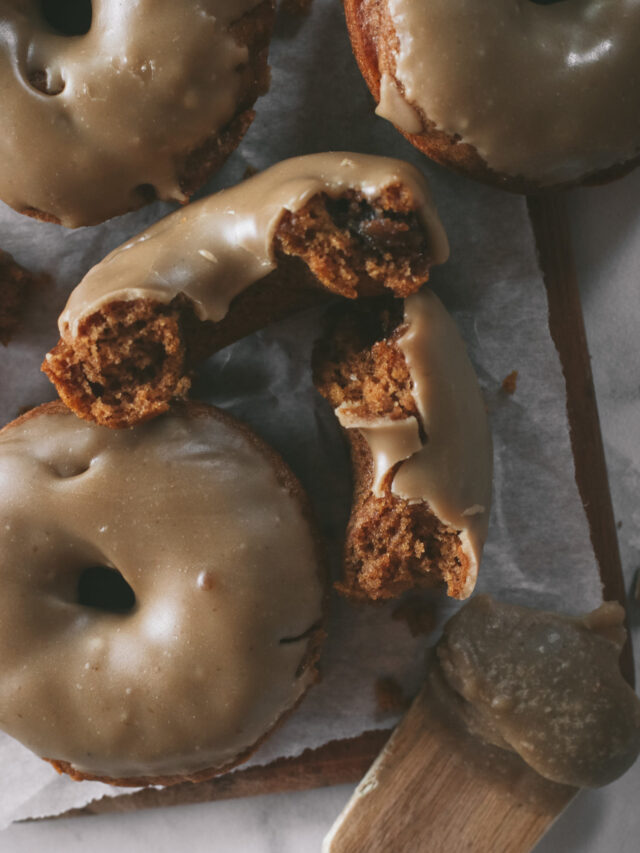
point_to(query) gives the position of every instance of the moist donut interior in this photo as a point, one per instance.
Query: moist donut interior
(359, 365)
(392, 545)
(357, 247)
(105, 589)
(68, 17)
(131, 358)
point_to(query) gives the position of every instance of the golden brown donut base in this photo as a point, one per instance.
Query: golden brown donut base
(391, 545)
(195, 168)
(375, 43)
(310, 657)
(131, 358)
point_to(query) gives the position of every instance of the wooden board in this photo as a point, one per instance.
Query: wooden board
(347, 760)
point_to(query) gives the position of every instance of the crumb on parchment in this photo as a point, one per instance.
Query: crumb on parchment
(390, 696)
(510, 382)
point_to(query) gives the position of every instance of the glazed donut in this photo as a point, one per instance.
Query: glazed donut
(201, 278)
(525, 94)
(403, 388)
(162, 593)
(108, 105)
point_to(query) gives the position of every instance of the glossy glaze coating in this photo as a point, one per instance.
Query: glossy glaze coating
(223, 566)
(549, 92)
(215, 248)
(148, 83)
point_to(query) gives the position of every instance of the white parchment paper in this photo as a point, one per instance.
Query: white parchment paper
(538, 551)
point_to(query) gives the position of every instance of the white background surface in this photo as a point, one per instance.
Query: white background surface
(606, 230)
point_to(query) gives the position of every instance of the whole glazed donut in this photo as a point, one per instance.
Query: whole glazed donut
(162, 593)
(526, 94)
(108, 105)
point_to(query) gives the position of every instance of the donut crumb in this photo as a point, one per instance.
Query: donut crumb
(125, 365)
(509, 383)
(394, 546)
(359, 365)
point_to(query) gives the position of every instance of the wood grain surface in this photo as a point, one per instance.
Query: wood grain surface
(473, 809)
(435, 789)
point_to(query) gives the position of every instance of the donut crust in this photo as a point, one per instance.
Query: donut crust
(374, 42)
(316, 635)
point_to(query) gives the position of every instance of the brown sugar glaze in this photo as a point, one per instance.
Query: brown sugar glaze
(100, 123)
(524, 94)
(211, 533)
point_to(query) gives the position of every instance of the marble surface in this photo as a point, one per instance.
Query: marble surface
(606, 232)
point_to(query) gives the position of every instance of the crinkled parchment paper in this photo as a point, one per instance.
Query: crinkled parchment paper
(538, 550)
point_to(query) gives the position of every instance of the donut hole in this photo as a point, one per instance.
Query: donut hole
(46, 82)
(105, 589)
(68, 17)
(145, 194)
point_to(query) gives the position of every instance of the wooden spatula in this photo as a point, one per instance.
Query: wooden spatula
(435, 788)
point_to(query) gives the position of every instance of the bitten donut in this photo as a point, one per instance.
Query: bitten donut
(403, 388)
(162, 593)
(108, 105)
(310, 227)
(525, 94)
